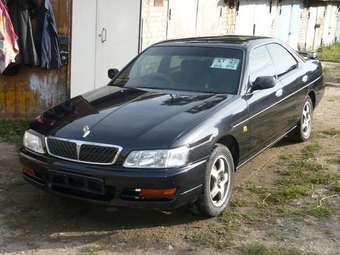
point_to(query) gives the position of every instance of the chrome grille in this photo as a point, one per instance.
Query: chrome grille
(84, 152)
(62, 148)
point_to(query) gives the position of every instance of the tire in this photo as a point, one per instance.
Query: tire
(217, 180)
(304, 127)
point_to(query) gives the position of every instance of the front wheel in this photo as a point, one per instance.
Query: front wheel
(304, 127)
(218, 182)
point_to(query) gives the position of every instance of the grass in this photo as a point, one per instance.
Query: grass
(320, 211)
(90, 250)
(330, 53)
(302, 187)
(217, 237)
(335, 160)
(299, 176)
(331, 132)
(310, 150)
(279, 195)
(261, 249)
(12, 131)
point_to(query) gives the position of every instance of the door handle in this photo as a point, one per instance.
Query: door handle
(279, 93)
(103, 35)
(305, 78)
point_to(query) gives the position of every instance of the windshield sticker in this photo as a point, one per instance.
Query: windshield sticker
(226, 63)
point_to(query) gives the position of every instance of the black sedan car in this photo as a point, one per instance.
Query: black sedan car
(175, 124)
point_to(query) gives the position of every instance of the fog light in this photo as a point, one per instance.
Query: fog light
(157, 192)
(29, 171)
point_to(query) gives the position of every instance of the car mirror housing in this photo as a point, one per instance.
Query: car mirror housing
(264, 82)
(112, 73)
(312, 55)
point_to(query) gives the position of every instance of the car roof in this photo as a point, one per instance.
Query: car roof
(233, 41)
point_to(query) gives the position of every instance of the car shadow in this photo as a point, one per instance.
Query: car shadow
(38, 219)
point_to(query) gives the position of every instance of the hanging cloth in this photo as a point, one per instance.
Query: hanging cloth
(9, 48)
(46, 37)
(19, 11)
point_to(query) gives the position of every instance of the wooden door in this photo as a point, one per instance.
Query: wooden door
(288, 24)
(338, 27)
(295, 23)
(253, 18)
(245, 18)
(209, 18)
(182, 18)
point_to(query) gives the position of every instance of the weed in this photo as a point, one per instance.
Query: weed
(261, 249)
(310, 150)
(91, 249)
(12, 131)
(335, 161)
(216, 237)
(238, 202)
(286, 157)
(251, 215)
(335, 185)
(231, 219)
(320, 211)
(331, 132)
(330, 53)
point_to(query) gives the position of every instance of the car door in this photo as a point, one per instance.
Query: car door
(292, 77)
(263, 105)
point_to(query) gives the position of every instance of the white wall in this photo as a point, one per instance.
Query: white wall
(83, 46)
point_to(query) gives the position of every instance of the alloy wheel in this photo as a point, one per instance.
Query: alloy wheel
(307, 120)
(219, 181)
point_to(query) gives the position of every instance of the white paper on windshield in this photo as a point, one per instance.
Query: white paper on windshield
(226, 63)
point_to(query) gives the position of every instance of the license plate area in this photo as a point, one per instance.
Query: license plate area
(72, 182)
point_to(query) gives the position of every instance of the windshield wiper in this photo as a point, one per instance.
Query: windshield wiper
(151, 88)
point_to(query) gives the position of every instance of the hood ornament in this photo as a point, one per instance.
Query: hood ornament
(87, 131)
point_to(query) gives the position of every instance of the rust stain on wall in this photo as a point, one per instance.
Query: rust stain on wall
(31, 92)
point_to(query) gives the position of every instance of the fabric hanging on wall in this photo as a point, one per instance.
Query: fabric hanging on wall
(9, 48)
(19, 11)
(46, 36)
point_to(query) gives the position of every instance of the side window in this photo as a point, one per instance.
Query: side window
(260, 64)
(283, 60)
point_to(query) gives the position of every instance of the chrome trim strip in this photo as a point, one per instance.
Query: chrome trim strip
(258, 113)
(211, 138)
(267, 147)
(79, 144)
(190, 190)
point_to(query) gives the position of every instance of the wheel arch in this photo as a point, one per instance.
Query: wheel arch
(232, 144)
(312, 96)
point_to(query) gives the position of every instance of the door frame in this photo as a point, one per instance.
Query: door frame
(140, 36)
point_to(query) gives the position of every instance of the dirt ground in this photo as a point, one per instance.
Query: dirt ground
(332, 72)
(33, 222)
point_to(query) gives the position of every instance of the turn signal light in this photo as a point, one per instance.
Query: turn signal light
(29, 171)
(158, 192)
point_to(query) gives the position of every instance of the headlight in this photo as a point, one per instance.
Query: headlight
(157, 158)
(33, 142)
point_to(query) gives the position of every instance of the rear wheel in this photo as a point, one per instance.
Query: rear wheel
(218, 182)
(304, 128)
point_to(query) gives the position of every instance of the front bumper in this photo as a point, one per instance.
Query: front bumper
(113, 185)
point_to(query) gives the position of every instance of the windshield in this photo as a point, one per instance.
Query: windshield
(198, 69)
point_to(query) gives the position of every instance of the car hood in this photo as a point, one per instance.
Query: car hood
(137, 118)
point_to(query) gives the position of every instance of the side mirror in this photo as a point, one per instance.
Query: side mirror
(264, 82)
(112, 73)
(312, 55)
